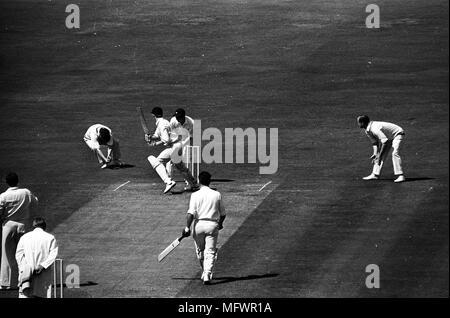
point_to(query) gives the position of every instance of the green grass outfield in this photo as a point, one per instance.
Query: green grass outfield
(307, 68)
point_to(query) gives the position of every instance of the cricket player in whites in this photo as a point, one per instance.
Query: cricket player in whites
(181, 128)
(99, 135)
(161, 136)
(384, 136)
(207, 213)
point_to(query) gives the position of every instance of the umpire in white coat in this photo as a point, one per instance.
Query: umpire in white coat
(207, 212)
(36, 252)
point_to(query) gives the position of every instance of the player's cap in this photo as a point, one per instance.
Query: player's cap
(157, 111)
(180, 113)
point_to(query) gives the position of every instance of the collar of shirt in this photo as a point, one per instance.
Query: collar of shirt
(158, 120)
(369, 126)
(38, 229)
(12, 188)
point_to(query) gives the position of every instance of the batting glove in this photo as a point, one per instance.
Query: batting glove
(186, 232)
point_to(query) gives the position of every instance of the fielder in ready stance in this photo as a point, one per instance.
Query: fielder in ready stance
(99, 135)
(384, 136)
(207, 212)
(172, 143)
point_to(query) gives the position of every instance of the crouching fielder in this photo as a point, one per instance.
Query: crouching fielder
(207, 212)
(384, 136)
(99, 135)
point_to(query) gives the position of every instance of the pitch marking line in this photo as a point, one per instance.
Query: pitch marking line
(265, 186)
(121, 185)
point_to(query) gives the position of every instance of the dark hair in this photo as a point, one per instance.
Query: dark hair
(104, 135)
(157, 111)
(204, 178)
(364, 119)
(12, 179)
(180, 113)
(39, 222)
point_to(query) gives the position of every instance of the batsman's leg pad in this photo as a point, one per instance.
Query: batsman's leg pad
(159, 168)
(186, 174)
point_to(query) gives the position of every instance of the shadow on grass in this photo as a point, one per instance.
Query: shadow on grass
(229, 279)
(222, 180)
(124, 166)
(418, 179)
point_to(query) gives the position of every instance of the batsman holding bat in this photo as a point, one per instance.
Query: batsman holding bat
(161, 136)
(384, 136)
(171, 137)
(207, 213)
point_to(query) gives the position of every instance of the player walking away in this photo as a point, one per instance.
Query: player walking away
(207, 212)
(181, 128)
(161, 136)
(16, 206)
(384, 136)
(99, 135)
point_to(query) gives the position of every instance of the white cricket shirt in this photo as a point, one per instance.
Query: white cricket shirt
(92, 134)
(15, 204)
(383, 131)
(206, 204)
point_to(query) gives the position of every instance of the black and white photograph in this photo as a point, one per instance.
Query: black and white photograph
(223, 154)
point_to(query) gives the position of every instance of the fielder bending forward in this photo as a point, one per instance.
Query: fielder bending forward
(207, 212)
(99, 135)
(384, 136)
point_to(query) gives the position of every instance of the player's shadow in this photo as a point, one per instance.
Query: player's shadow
(124, 166)
(418, 179)
(221, 180)
(89, 283)
(229, 279)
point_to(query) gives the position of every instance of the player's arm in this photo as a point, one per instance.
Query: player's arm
(383, 149)
(101, 155)
(221, 212)
(165, 137)
(2, 210)
(190, 217)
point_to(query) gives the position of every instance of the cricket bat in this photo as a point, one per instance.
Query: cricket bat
(169, 248)
(143, 121)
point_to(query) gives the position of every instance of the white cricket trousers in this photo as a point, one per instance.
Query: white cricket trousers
(205, 236)
(396, 160)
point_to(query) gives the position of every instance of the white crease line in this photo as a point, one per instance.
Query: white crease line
(121, 186)
(265, 186)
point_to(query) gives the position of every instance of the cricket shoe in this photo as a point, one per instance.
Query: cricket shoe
(400, 178)
(190, 188)
(371, 177)
(206, 279)
(104, 166)
(169, 186)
